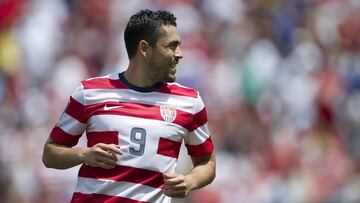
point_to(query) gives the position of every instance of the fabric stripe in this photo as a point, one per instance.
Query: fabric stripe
(94, 96)
(198, 136)
(123, 189)
(107, 83)
(63, 138)
(200, 150)
(124, 173)
(78, 95)
(168, 147)
(199, 120)
(76, 110)
(175, 89)
(199, 105)
(103, 83)
(107, 137)
(71, 125)
(100, 198)
(137, 110)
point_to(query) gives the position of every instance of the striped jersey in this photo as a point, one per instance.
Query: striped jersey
(149, 125)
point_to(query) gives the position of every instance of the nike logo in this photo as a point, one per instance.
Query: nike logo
(106, 108)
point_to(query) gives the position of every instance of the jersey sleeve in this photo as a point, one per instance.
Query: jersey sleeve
(72, 122)
(198, 141)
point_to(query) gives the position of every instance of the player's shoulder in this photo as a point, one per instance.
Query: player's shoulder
(109, 81)
(180, 90)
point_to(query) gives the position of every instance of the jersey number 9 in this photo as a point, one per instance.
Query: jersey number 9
(137, 136)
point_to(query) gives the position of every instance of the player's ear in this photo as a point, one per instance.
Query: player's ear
(144, 48)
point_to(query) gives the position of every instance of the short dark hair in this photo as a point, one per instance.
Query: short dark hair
(145, 25)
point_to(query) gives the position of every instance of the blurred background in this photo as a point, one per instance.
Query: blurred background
(280, 79)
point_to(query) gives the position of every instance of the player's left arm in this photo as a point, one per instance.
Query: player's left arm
(202, 174)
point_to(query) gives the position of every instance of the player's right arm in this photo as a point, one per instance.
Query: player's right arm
(63, 157)
(59, 151)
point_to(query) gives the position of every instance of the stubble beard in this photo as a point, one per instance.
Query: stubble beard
(160, 76)
(168, 77)
(171, 77)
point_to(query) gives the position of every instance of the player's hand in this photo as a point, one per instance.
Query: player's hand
(176, 185)
(101, 155)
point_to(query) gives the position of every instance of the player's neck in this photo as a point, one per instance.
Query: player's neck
(136, 75)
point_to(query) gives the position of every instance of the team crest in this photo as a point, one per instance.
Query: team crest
(168, 113)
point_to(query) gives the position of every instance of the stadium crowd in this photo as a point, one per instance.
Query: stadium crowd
(280, 79)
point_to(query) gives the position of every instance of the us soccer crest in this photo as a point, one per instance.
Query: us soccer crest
(168, 113)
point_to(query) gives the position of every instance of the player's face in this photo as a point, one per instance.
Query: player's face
(165, 55)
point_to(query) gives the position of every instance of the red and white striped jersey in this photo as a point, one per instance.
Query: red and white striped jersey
(149, 125)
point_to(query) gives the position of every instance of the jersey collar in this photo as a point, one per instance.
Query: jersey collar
(137, 88)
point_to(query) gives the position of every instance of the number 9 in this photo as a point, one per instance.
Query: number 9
(138, 140)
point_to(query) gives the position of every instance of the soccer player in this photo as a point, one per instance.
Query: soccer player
(135, 122)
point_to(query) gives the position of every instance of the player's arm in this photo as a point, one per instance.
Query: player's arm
(63, 157)
(204, 171)
(59, 151)
(202, 174)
